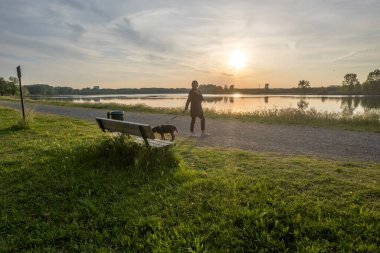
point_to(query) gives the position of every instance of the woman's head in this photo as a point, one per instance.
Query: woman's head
(194, 84)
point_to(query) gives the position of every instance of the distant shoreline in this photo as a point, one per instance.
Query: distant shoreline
(44, 89)
(237, 94)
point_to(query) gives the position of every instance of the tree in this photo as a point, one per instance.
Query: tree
(372, 85)
(232, 87)
(350, 79)
(13, 80)
(40, 89)
(303, 84)
(211, 89)
(65, 91)
(351, 82)
(25, 91)
(7, 87)
(267, 86)
(374, 76)
(2, 86)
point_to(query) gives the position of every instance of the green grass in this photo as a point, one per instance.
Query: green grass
(66, 186)
(368, 121)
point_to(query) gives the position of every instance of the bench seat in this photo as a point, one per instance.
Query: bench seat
(142, 132)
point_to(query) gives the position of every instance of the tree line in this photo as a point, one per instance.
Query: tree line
(48, 90)
(350, 86)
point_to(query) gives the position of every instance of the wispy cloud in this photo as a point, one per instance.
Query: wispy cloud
(345, 56)
(126, 31)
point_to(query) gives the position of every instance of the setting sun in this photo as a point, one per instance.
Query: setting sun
(237, 60)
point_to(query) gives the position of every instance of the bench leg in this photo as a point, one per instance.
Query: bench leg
(144, 136)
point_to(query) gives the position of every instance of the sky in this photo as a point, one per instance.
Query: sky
(141, 43)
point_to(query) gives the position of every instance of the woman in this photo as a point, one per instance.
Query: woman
(195, 98)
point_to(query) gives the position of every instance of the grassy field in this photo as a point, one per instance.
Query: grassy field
(363, 122)
(66, 186)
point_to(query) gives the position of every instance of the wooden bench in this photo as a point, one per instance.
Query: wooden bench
(141, 132)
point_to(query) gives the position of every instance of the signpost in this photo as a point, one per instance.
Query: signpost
(22, 99)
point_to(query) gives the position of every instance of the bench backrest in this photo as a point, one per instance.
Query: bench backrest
(132, 128)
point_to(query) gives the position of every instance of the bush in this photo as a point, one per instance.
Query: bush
(122, 152)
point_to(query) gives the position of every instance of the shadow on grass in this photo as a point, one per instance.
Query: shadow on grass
(14, 128)
(122, 152)
(83, 195)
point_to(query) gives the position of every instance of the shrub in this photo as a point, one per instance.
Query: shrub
(121, 151)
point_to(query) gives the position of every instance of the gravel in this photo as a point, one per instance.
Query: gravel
(281, 139)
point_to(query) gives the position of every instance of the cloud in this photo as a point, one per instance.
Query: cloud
(126, 30)
(345, 56)
(179, 39)
(19, 46)
(77, 30)
(227, 74)
(129, 34)
(76, 4)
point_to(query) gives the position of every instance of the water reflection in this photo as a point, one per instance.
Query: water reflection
(243, 103)
(350, 104)
(214, 99)
(219, 99)
(347, 107)
(370, 102)
(303, 104)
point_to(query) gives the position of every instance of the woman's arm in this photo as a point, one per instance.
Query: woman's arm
(188, 101)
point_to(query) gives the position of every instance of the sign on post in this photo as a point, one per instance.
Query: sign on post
(19, 72)
(22, 99)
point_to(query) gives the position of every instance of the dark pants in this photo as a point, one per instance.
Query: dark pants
(203, 122)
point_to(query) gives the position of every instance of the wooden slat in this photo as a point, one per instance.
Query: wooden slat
(155, 143)
(126, 127)
(159, 143)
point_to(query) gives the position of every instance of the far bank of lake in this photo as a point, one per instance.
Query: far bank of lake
(350, 105)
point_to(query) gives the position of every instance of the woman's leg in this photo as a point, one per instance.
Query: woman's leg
(192, 123)
(203, 123)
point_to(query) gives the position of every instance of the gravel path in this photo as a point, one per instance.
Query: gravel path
(283, 139)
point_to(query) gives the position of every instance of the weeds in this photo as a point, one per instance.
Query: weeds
(28, 121)
(121, 151)
(368, 121)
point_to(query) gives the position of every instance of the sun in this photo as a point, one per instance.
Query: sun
(237, 60)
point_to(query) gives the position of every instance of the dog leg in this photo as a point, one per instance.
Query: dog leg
(173, 136)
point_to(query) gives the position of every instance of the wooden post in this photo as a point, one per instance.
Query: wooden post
(22, 99)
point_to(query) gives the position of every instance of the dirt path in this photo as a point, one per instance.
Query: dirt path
(284, 139)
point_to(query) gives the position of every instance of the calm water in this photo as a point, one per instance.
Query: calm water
(240, 103)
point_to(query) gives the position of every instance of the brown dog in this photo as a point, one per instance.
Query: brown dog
(165, 129)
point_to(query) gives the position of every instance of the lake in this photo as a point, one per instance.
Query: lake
(239, 102)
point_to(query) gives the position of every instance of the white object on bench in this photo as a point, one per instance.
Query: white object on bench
(142, 131)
